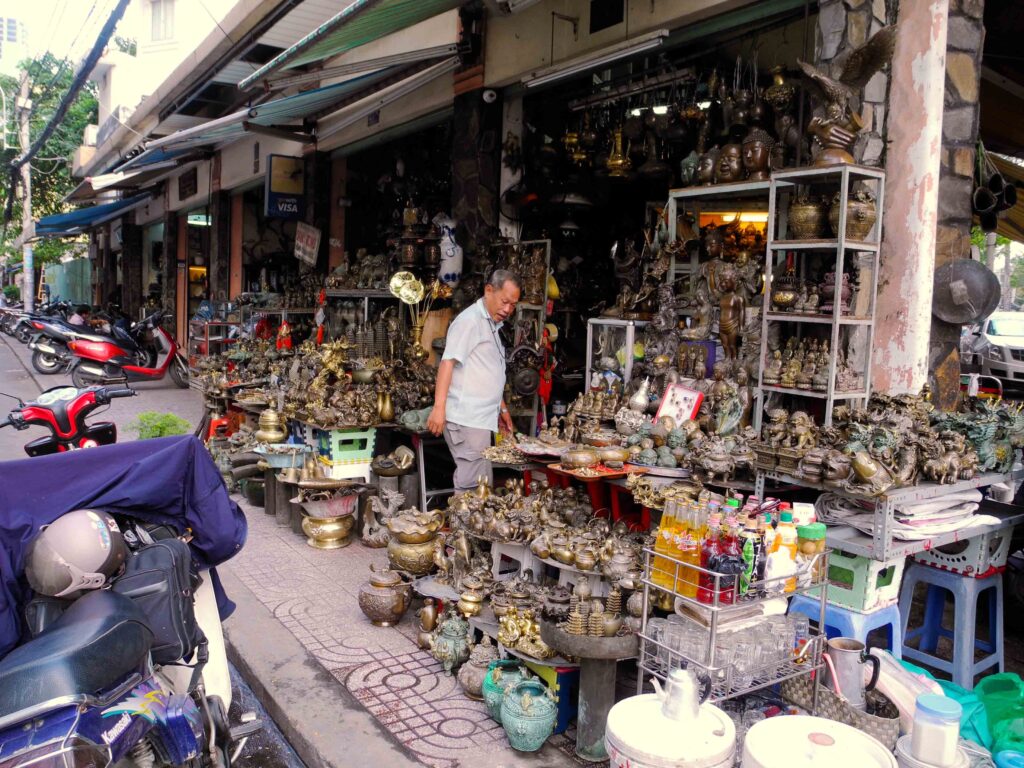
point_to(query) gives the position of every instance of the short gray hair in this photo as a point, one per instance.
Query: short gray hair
(501, 276)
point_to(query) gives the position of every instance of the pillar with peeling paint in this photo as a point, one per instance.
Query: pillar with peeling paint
(904, 306)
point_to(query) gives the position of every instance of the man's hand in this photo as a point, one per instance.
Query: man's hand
(435, 422)
(505, 425)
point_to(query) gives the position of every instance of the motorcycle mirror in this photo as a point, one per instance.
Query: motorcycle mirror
(21, 403)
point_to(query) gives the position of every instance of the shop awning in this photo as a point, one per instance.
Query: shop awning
(152, 169)
(272, 116)
(75, 222)
(360, 23)
(1011, 222)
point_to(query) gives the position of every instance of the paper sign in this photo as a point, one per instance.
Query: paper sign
(307, 243)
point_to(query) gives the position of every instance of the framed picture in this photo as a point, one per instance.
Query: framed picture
(679, 402)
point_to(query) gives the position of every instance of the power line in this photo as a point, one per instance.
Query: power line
(80, 78)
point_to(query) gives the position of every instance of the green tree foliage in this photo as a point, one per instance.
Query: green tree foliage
(155, 424)
(978, 240)
(50, 79)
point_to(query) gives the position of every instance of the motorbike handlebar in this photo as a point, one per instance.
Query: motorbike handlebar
(125, 392)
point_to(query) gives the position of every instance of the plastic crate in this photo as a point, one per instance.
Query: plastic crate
(978, 556)
(345, 446)
(346, 470)
(862, 584)
(564, 683)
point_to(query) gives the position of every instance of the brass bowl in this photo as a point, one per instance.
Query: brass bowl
(613, 453)
(328, 532)
(413, 537)
(579, 458)
(364, 375)
(784, 299)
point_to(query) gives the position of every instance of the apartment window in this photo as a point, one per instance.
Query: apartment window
(163, 20)
(12, 30)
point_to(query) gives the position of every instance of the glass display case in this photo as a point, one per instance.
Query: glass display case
(611, 352)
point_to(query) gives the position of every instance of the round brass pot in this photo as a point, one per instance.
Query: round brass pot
(271, 429)
(413, 537)
(586, 560)
(385, 598)
(470, 603)
(364, 375)
(579, 458)
(328, 532)
(613, 453)
(807, 219)
(416, 559)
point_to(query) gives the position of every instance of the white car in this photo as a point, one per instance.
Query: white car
(998, 345)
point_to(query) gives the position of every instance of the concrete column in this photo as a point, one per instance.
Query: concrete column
(904, 306)
(235, 270)
(220, 244)
(339, 192)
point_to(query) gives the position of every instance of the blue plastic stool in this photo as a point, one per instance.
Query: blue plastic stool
(965, 591)
(842, 622)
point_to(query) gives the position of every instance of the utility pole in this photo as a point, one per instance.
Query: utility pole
(28, 286)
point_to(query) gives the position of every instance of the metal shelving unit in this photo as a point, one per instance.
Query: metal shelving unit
(657, 658)
(782, 186)
(206, 338)
(605, 326)
(365, 294)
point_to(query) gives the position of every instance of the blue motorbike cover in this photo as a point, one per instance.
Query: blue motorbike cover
(173, 722)
(169, 481)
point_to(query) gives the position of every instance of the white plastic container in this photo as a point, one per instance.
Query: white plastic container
(797, 741)
(936, 733)
(639, 735)
(907, 760)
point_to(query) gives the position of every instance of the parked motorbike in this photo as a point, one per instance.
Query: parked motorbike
(23, 329)
(133, 671)
(63, 411)
(128, 355)
(50, 353)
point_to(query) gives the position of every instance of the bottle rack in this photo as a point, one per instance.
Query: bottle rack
(657, 658)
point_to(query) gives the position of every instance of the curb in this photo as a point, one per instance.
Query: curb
(325, 724)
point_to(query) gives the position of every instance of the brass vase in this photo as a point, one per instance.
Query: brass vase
(385, 598)
(385, 407)
(807, 219)
(328, 532)
(415, 351)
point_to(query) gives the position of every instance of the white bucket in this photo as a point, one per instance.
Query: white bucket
(906, 759)
(638, 735)
(797, 741)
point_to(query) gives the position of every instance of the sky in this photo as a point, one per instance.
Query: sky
(67, 27)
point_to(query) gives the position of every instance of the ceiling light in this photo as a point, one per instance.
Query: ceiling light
(589, 61)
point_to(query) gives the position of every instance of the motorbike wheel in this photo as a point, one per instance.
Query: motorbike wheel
(22, 335)
(179, 372)
(81, 379)
(46, 363)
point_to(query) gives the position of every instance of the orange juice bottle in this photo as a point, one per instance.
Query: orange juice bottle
(687, 551)
(786, 539)
(663, 570)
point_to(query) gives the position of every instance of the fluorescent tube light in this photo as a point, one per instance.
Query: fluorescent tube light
(589, 61)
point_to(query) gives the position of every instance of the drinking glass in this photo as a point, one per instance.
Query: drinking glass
(744, 664)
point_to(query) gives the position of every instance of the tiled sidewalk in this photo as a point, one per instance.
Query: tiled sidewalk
(313, 593)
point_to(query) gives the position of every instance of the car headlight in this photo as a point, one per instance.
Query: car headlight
(994, 352)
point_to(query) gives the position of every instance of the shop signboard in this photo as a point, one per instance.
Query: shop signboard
(307, 243)
(284, 187)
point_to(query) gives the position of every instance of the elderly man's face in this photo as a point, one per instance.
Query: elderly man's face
(500, 303)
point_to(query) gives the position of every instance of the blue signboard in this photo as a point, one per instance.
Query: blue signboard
(284, 188)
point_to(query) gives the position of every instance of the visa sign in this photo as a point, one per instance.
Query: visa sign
(284, 188)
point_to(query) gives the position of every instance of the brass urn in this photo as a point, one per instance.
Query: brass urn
(808, 219)
(860, 214)
(271, 427)
(328, 532)
(385, 597)
(415, 559)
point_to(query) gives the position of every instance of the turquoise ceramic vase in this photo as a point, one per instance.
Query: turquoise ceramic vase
(528, 715)
(501, 674)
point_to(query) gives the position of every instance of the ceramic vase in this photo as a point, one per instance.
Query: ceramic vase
(528, 715)
(450, 270)
(501, 674)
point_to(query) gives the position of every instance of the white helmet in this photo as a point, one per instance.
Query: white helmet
(76, 552)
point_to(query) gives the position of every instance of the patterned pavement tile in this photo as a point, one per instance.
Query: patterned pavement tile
(313, 594)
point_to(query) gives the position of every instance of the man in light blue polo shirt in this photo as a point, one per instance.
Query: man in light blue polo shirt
(468, 403)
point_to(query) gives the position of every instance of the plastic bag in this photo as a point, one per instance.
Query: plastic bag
(1003, 697)
(902, 686)
(974, 723)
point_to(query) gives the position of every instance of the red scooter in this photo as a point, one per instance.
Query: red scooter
(63, 410)
(123, 356)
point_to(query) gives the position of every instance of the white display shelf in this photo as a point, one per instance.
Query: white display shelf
(795, 317)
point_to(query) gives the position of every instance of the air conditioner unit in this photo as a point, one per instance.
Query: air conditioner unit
(515, 6)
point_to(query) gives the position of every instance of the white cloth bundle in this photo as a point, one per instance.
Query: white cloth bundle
(911, 521)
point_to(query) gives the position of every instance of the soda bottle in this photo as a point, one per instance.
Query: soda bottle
(710, 552)
(688, 551)
(749, 537)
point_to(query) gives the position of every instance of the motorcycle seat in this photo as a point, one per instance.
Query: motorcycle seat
(98, 641)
